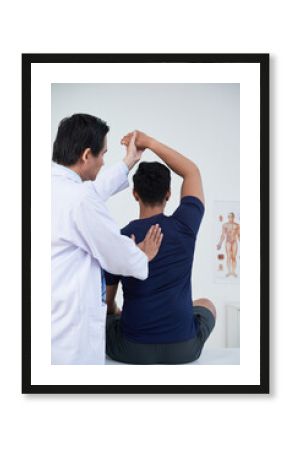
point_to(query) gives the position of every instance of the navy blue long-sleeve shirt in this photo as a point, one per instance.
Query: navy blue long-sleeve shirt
(159, 309)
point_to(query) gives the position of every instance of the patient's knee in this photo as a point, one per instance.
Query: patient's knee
(206, 303)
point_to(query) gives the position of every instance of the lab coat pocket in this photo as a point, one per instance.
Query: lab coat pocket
(97, 333)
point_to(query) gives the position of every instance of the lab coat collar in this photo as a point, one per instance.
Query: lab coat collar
(62, 171)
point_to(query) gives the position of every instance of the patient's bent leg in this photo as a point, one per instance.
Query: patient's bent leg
(206, 303)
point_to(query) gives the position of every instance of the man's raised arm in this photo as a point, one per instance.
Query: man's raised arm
(184, 167)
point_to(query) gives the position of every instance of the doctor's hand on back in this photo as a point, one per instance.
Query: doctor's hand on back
(151, 244)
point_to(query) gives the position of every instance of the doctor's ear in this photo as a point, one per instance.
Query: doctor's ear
(86, 154)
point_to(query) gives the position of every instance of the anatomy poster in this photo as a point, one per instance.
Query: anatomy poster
(226, 245)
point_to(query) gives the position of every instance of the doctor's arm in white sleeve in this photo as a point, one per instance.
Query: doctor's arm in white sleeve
(96, 233)
(112, 180)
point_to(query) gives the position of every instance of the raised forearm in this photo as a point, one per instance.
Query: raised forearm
(177, 162)
(133, 154)
(182, 166)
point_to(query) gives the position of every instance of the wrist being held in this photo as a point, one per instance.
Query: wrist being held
(142, 140)
(133, 153)
(130, 163)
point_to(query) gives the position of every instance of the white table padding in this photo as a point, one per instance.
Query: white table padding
(220, 356)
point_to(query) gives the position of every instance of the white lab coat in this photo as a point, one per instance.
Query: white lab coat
(84, 239)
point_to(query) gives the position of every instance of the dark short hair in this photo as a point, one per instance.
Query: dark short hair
(75, 134)
(152, 182)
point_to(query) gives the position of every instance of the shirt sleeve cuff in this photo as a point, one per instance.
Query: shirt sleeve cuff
(125, 167)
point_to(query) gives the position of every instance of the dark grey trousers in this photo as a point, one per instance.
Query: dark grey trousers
(121, 349)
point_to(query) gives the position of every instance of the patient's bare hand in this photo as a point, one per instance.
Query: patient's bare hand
(151, 244)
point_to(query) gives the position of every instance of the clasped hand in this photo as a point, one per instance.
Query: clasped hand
(136, 142)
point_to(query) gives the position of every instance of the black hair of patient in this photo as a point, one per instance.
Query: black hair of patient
(152, 182)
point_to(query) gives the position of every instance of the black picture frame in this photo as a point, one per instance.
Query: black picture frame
(263, 61)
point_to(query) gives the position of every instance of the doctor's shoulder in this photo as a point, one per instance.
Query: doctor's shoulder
(85, 193)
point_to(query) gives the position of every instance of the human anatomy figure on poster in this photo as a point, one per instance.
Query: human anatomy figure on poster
(231, 235)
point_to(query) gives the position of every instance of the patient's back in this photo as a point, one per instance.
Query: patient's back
(159, 309)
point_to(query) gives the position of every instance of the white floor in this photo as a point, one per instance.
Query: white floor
(221, 356)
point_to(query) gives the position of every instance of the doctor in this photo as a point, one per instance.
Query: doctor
(86, 240)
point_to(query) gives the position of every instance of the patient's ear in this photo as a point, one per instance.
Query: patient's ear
(136, 196)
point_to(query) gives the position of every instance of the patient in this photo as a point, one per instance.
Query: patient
(159, 323)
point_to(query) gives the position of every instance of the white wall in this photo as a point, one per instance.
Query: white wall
(199, 120)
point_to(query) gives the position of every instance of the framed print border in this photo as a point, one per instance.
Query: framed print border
(263, 61)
